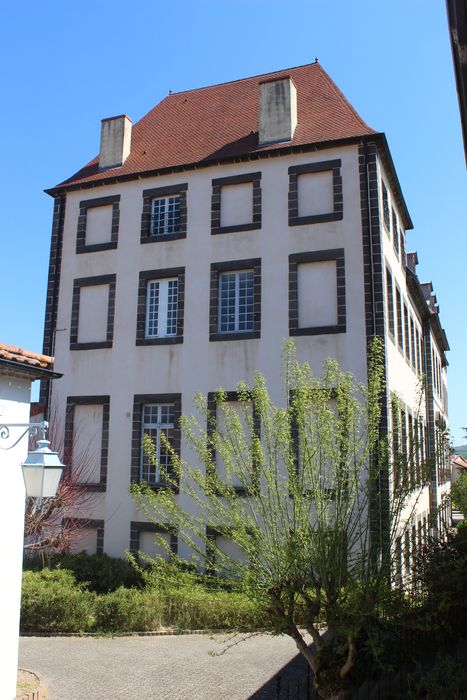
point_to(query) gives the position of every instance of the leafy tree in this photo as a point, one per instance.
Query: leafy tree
(459, 494)
(302, 490)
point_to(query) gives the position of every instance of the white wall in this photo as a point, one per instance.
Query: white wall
(198, 364)
(14, 408)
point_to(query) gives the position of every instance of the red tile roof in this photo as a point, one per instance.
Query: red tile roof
(221, 121)
(25, 357)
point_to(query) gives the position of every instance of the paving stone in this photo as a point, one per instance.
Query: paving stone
(194, 667)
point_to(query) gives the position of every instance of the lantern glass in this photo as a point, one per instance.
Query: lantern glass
(42, 471)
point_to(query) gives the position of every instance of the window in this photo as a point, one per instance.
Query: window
(400, 333)
(153, 540)
(164, 214)
(235, 300)
(406, 333)
(158, 419)
(317, 302)
(402, 246)
(236, 203)
(412, 343)
(220, 415)
(395, 232)
(87, 417)
(386, 211)
(160, 306)
(155, 415)
(92, 313)
(98, 223)
(161, 311)
(315, 193)
(390, 303)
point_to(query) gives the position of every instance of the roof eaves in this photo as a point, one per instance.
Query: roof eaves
(388, 162)
(250, 155)
(30, 370)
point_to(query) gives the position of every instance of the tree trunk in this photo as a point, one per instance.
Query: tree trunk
(333, 688)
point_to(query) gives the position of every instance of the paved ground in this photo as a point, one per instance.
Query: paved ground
(160, 668)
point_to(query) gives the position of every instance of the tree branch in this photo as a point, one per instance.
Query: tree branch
(351, 658)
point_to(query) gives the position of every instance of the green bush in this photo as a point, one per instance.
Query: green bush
(52, 601)
(447, 680)
(100, 572)
(127, 610)
(196, 608)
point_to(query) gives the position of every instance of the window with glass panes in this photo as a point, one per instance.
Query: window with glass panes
(165, 215)
(157, 420)
(386, 211)
(236, 301)
(161, 308)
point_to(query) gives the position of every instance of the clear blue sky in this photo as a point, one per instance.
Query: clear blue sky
(67, 65)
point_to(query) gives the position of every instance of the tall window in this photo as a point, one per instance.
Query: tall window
(157, 419)
(161, 308)
(400, 332)
(165, 215)
(386, 211)
(395, 231)
(390, 302)
(236, 301)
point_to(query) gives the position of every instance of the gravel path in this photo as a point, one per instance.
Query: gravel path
(161, 668)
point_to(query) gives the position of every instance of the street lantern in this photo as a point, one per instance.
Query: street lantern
(42, 471)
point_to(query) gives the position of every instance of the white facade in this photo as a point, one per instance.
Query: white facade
(306, 252)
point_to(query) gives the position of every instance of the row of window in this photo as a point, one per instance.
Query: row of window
(409, 447)
(391, 224)
(315, 196)
(402, 327)
(316, 302)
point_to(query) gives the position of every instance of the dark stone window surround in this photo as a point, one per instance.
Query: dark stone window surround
(81, 245)
(144, 278)
(84, 523)
(295, 171)
(139, 401)
(390, 304)
(96, 281)
(137, 527)
(158, 192)
(399, 319)
(212, 417)
(217, 184)
(231, 266)
(336, 254)
(103, 401)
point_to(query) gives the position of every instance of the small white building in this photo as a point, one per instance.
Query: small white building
(182, 256)
(18, 369)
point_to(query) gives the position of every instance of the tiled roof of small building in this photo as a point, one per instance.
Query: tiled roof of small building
(221, 121)
(25, 357)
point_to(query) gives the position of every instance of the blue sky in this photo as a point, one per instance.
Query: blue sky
(68, 65)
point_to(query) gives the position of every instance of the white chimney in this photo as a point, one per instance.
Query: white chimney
(115, 141)
(277, 110)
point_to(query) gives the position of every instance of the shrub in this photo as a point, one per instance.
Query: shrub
(100, 572)
(127, 610)
(196, 608)
(447, 680)
(52, 601)
(442, 574)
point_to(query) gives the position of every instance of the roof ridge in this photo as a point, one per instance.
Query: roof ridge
(240, 80)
